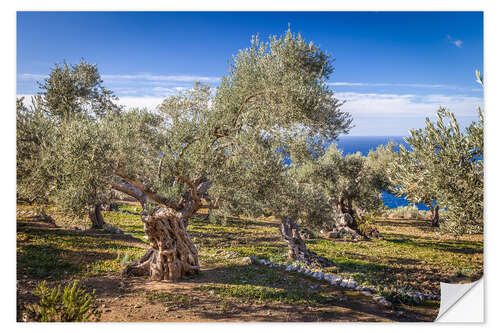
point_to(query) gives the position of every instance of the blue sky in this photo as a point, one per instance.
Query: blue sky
(393, 69)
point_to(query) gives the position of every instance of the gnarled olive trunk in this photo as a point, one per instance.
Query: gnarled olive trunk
(348, 221)
(344, 223)
(95, 217)
(172, 254)
(297, 247)
(434, 215)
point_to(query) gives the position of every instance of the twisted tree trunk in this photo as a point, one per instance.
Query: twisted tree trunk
(172, 254)
(348, 221)
(95, 217)
(343, 216)
(297, 247)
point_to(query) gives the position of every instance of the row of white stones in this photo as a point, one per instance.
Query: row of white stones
(417, 297)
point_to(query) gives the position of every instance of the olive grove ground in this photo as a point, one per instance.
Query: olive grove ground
(228, 288)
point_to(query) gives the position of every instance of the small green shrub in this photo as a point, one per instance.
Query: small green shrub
(71, 304)
(366, 227)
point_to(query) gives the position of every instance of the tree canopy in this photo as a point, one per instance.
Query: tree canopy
(445, 164)
(200, 148)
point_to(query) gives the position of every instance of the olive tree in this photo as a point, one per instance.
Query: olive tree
(73, 89)
(444, 165)
(223, 150)
(413, 175)
(71, 93)
(346, 187)
(288, 113)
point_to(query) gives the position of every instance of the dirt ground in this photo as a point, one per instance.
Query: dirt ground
(133, 299)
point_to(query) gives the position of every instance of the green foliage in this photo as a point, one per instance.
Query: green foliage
(273, 104)
(61, 156)
(333, 180)
(68, 305)
(446, 165)
(264, 294)
(75, 89)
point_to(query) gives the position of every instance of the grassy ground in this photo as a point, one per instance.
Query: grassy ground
(410, 255)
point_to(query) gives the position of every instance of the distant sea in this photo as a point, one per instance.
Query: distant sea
(363, 144)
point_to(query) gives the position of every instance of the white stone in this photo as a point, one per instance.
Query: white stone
(385, 302)
(366, 293)
(351, 284)
(336, 280)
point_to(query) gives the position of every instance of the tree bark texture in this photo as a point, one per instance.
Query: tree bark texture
(434, 215)
(344, 220)
(172, 254)
(297, 247)
(96, 218)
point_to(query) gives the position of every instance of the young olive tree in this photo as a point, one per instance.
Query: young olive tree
(445, 165)
(75, 89)
(69, 95)
(413, 175)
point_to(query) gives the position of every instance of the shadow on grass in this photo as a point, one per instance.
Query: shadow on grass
(200, 219)
(456, 246)
(51, 262)
(422, 224)
(93, 233)
(56, 254)
(259, 287)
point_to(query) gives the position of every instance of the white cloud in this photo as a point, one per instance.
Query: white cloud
(457, 42)
(150, 102)
(360, 104)
(28, 76)
(169, 91)
(159, 78)
(374, 114)
(136, 77)
(401, 85)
